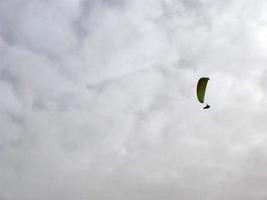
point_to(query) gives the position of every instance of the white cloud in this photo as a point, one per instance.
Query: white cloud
(98, 100)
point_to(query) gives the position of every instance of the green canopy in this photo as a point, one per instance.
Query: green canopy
(201, 88)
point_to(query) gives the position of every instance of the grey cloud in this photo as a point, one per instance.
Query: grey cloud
(98, 100)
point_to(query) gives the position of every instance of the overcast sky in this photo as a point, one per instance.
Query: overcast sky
(98, 100)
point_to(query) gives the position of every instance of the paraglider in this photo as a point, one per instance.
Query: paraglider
(201, 90)
(206, 107)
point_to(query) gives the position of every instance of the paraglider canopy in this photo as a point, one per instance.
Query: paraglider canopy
(201, 88)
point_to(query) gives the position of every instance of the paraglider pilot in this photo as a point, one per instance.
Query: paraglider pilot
(206, 107)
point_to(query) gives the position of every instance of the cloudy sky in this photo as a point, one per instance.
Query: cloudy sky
(98, 101)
